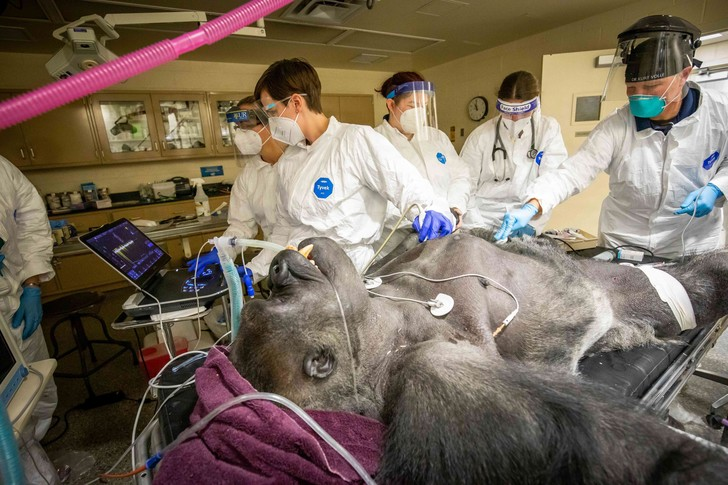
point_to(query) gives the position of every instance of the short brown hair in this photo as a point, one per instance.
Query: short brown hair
(291, 76)
(519, 85)
(397, 79)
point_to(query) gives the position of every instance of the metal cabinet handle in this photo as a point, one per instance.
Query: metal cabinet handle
(32, 153)
(156, 146)
(55, 262)
(22, 154)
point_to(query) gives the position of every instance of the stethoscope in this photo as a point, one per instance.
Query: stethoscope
(532, 152)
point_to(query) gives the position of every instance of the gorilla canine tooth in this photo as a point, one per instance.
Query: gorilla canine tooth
(306, 251)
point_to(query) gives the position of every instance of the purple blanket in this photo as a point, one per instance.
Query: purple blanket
(258, 442)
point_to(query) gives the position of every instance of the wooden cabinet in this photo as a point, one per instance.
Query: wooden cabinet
(219, 104)
(126, 127)
(183, 124)
(62, 137)
(356, 109)
(139, 126)
(86, 221)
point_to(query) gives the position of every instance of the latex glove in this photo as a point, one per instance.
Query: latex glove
(246, 275)
(30, 311)
(518, 219)
(704, 198)
(203, 262)
(528, 230)
(434, 225)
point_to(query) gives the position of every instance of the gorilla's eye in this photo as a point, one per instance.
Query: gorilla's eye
(276, 269)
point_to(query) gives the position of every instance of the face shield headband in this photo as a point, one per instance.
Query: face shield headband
(243, 118)
(516, 108)
(411, 87)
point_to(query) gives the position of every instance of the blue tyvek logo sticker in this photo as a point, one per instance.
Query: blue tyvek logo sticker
(708, 162)
(538, 158)
(441, 158)
(323, 187)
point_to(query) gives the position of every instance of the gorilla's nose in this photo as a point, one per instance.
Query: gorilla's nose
(279, 273)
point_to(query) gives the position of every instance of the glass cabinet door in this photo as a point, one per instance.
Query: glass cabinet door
(183, 124)
(219, 105)
(125, 126)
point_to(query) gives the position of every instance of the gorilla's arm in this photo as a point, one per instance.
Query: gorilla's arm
(456, 415)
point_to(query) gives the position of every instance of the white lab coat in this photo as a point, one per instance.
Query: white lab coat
(491, 199)
(339, 187)
(28, 251)
(253, 203)
(650, 174)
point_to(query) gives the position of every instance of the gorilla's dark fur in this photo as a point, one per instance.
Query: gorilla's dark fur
(456, 411)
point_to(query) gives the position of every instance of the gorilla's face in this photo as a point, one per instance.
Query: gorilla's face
(295, 342)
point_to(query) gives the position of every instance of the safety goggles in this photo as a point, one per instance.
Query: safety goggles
(243, 118)
(516, 108)
(411, 87)
(269, 110)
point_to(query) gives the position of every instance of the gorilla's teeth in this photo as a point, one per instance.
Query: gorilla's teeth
(306, 251)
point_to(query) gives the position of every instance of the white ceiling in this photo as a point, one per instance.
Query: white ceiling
(412, 34)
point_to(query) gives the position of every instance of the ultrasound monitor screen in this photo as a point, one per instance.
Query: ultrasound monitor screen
(128, 249)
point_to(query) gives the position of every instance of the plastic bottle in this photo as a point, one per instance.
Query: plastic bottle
(202, 204)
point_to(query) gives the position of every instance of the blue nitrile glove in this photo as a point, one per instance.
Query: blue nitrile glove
(30, 311)
(2, 265)
(433, 225)
(203, 261)
(518, 219)
(704, 198)
(527, 230)
(247, 276)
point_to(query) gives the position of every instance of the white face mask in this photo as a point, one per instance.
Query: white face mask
(248, 142)
(285, 130)
(413, 120)
(515, 127)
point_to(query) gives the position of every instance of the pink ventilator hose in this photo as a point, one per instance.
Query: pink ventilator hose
(51, 96)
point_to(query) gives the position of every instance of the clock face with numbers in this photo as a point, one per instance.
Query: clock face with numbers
(478, 108)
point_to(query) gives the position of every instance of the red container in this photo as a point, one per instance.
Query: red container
(155, 357)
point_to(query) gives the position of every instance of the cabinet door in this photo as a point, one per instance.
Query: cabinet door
(182, 124)
(87, 221)
(61, 137)
(12, 142)
(125, 126)
(330, 105)
(84, 271)
(223, 138)
(358, 110)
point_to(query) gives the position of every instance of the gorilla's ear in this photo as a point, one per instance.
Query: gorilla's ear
(319, 363)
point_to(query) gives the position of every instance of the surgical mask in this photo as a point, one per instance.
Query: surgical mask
(248, 142)
(285, 129)
(650, 105)
(413, 120)
(514, 127)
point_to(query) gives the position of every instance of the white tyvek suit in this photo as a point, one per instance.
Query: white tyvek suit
(490, 200)
(650, 174)
(437, 161)
(28, 252)
(253, 203)
(339, 186)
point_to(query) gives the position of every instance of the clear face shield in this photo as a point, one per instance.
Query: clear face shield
(415, 108)
(644, 59)
(245, 124)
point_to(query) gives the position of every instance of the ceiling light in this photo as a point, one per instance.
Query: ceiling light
(711, 36)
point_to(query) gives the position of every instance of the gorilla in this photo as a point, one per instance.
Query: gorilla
(463, 406)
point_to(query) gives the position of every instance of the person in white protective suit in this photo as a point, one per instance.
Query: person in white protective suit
(337, 181)
(254, 193)
(666, 152)
(25, 263)
(509, 151)
(411, 126)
